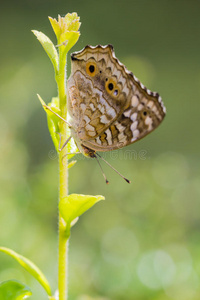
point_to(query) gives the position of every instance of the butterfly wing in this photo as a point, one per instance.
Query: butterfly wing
(99, 90)
(145, 112)
(109, 107)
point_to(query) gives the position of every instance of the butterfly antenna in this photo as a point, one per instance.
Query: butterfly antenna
(127, 180)
(107, 182)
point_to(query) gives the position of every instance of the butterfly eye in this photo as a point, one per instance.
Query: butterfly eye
(91, 69)
(144, 113)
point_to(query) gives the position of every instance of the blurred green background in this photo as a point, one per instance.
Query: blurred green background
(143, 242)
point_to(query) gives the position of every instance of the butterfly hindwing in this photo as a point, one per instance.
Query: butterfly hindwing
(144, 114)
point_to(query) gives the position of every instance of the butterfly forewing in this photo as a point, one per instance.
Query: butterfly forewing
(98, 90)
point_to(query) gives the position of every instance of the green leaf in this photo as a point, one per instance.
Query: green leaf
(53, 122)
(14, 290)
(75, 205)
(69, 39)
(52, 119)
(30, 267)
(72, 21)
(56, 26)
(48, 47)
(74, 222)
(71, 163)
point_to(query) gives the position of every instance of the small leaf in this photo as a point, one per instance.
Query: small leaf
(48, 47)
(30, 267)
(55, 25)
(69, 38)
(52, 119)
(72, 21)
(74, 222)
(53, 123)
(14, 290)
(71, 163)
(75, 205)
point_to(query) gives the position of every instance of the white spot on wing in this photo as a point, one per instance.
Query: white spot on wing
(135, 135)
(148, 92)
(134, 116)
(127, 113)
(82, 106)
(134, 126)
(89, 127)
(92, 107)
(148, 120)
(98, 140)
(122, 137)
(91, 133)
(109, 110)
(134, 101)
(86, 119)
(120, 127)
(101, 108)
(154, 109)
(104, 119)
(150, 104)
(109, 136)
(140, 106)
(126, 90)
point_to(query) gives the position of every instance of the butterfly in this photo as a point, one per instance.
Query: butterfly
(108, 106)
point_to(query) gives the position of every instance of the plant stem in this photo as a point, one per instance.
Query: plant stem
(63, 180)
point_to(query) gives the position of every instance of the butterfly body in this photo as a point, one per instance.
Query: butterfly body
(109, 108)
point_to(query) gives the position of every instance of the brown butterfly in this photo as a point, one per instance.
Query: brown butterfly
(109, 107)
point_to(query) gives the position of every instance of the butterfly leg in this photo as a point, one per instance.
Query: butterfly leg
(69, 154)
(65, 143)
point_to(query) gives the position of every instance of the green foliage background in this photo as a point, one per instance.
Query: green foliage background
(143, 242)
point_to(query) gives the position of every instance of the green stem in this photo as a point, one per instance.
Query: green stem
(63, 180)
